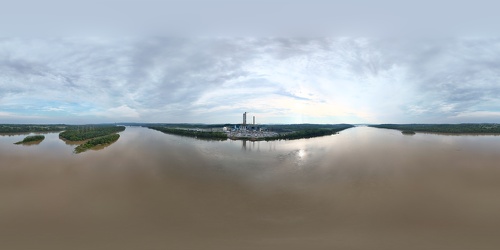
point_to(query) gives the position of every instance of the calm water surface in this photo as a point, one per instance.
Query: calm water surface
(364, 188)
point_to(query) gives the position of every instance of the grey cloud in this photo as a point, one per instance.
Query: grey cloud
(176, 79)
(463, 73)
(186, 68)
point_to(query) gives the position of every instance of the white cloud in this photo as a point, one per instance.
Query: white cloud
(120, 112)
(283, 80)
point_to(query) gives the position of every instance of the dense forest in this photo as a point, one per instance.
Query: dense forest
(104, 140)
(311, 128)
(80, 133)
(30, 128)
(464, 128)
(191, 133)
(180, 125)
(309, 131)
(31, 138)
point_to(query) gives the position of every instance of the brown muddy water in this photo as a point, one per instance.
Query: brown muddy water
(364, 188)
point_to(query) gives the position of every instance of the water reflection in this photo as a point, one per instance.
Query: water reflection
(248, 145)
(301, 153)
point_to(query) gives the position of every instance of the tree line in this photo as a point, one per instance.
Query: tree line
(80, 133)
(306, 126)
(191, 133)
(30, 128)
(104, 140)
(464, 128)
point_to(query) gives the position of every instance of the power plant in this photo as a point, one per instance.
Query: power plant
(244, 124)
(246, 130)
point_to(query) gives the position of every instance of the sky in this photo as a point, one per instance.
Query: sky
(283, 65)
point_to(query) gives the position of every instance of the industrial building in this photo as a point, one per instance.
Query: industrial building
(248, 130)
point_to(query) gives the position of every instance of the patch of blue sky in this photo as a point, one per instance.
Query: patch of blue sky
(288, 94)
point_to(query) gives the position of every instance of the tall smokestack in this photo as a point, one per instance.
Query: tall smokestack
(254, 120)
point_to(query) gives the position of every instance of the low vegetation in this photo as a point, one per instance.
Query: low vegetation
(191, 133)
(81, 133)
(464, 128)
(100, 141)
(31, 139)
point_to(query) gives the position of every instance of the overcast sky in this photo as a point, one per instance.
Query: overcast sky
(325, 77)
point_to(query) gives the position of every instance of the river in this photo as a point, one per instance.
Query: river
(364, 188)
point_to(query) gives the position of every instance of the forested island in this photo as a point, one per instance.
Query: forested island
(31, 128)
(99, 141)
(81, 133)
(191, 133)
(32, 139)
(97, 135)
(464, 128)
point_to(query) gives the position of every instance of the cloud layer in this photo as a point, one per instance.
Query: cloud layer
(279, 80)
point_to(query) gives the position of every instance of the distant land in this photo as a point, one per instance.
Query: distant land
(463, 128)
(90, 136)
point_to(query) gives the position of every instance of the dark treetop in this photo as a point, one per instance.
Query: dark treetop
(80, 133)
(104, 140)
